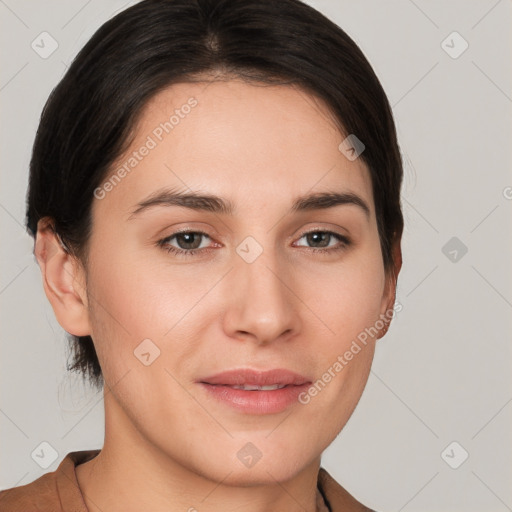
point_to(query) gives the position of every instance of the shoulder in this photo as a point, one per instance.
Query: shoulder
(337, 498)
(40, 495)
(56, 491)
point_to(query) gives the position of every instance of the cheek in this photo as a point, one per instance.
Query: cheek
(133, 300)
(136, 298)
(346, 298)
(348, 305)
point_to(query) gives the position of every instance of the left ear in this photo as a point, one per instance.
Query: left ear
(389, 295)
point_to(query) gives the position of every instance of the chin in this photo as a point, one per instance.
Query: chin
(251, 466)
(261, 474)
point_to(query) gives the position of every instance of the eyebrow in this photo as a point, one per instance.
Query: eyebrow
(215, 204)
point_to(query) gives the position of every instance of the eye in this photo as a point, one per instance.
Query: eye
(323, 238)
(189, 242)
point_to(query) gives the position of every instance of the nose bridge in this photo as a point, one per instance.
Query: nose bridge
(262, 303)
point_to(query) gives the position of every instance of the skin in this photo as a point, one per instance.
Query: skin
(169, 446)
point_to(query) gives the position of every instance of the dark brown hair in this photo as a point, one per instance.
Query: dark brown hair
(90, 116)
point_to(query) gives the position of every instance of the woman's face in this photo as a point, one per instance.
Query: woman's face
(255, 294)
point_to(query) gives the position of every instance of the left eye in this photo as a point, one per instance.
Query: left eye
(319, 236)
(189, 242)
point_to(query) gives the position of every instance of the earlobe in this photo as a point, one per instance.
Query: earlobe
(63, 281)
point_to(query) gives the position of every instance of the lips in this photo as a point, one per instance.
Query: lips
(247, 379)
(256, 392)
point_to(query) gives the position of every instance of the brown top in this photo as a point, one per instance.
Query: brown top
(58, 491)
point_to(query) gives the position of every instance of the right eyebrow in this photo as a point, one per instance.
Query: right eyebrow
(192, 200)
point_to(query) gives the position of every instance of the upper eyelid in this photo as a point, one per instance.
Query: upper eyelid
(342, 238)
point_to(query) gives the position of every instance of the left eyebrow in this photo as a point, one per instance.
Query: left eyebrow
(215, 204)
(325, 200)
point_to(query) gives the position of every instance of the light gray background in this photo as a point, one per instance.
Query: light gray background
(441, 374)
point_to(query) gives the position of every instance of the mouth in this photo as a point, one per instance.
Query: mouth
(256, 392)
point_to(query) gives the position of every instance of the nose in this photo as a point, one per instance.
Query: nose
(262, 306)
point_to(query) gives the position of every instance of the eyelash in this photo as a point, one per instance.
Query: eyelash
(345, 242)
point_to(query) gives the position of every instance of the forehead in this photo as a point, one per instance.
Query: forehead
(257, 144)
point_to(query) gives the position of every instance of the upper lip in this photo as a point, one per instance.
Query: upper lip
(245, 376)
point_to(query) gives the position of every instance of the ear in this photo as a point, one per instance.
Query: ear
(389, 295)
(63, 280)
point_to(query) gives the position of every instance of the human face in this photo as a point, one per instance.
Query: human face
(255, 295)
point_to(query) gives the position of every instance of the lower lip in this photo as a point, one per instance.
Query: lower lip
(257, 402)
